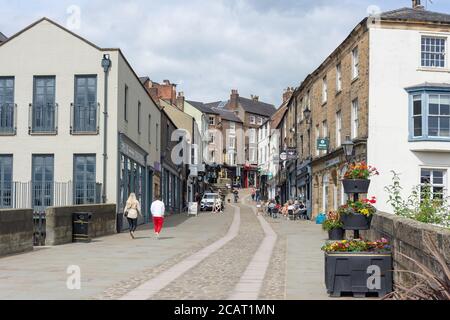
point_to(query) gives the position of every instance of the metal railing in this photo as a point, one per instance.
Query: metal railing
(84, 119)
(39, 196)
(43, 118)
(8, 120)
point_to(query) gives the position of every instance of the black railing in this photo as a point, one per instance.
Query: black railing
(43, 118)
(84, 119)
(8, 121)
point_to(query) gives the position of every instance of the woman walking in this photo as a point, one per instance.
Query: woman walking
(158, 209)
(131, 211)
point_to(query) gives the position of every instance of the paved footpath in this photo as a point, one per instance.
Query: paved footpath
(234, 255)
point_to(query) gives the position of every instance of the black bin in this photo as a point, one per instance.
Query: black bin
(80, 232)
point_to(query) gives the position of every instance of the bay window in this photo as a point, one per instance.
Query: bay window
(429, 113)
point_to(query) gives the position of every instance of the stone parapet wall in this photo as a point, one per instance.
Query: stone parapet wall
(16, 231)
(408, 237)
(59, 222)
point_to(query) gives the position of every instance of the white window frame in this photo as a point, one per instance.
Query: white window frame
(338, 128)
(433, 36)
(211, 120)
(252, 154)
(338, 77)
(260, 120)
(355, 63)
(444, 184)
(317, 138)
(252, 136)
(252, 119)
(355, 118)
(324, 90)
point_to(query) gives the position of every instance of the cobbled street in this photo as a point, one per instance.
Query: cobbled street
(211, 256)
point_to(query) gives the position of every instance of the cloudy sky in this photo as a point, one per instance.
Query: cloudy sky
(208, 47)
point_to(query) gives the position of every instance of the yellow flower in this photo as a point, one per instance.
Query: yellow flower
(364, 212)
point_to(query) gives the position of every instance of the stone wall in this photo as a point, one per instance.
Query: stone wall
(59, 222)
(16, 231)
(408, 237)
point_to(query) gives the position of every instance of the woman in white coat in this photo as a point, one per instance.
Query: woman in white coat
(132, 210)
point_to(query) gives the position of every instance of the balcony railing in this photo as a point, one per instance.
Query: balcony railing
(84, 119)
(8, 120)
(43, 118)
(40, 195)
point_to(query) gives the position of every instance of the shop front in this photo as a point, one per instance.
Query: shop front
(172, 190)
(304, 185)
(132, 177)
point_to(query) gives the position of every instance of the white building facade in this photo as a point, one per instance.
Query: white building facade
(52, 90)
(409, 105)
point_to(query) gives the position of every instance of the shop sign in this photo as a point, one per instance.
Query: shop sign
(322, 144)
(193, 170)
(131, 152)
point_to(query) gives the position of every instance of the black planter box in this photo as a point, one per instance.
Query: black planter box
(356, 221)
(356, 185)
(336, 234)
(347, 273)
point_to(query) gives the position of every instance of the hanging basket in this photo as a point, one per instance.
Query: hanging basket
(356, 185)
(356, 221)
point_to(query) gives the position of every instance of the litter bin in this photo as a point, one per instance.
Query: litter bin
(80, 231)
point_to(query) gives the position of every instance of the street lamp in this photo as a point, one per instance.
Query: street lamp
(348, 146)
(307, 114)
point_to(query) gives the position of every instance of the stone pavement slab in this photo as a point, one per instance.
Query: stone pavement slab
(41, 274)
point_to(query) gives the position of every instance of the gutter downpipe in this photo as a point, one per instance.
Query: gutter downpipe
(106, 64)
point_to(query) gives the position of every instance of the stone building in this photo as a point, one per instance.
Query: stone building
(377, 89)
(253, 113)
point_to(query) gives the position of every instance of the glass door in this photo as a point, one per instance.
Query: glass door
(42, 181)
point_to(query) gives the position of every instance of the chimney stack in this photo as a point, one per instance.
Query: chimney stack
(288, 93)
(254, 98)
(180, 101)
(417, 5)
(234, 99)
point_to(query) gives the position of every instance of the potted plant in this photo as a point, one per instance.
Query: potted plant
(357, 215)
(358, 267)
(356, 178)
(333, 225)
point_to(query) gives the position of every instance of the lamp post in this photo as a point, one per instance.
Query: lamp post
(348, 146)
(106, 65)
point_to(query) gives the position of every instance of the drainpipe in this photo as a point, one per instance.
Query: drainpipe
(106, 64)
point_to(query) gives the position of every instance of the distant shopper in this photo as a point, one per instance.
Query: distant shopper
(158, 209)
(236, 195)
(253, 193)
(131, 211)
(257, 195)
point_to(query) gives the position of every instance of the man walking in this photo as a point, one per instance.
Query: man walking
(158, 209)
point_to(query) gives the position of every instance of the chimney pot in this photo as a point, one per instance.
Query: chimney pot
(417, 5)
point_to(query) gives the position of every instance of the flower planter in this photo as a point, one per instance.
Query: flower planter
(349, 272)
(356, 185)
(356, 221)
(336, 234)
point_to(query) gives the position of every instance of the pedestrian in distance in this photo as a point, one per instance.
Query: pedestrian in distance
(253, 193)
(236, 195)
(131, 211)
(158, 210)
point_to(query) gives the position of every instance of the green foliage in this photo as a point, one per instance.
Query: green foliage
(420, 205)
(328, 225)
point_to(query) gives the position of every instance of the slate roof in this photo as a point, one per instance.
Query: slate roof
(257, 107)
(3, 37)
(202, 107)
(227, 115)
(404, 14)
(144, 79)
(429, 85)
(278, 116)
